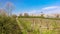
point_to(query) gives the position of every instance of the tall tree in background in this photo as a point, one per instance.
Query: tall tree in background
(9, 8)
(42, 15)
(57, 15)
(26, 14)
(2, 12)
(20, 14)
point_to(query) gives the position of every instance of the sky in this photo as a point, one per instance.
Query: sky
(33, 6)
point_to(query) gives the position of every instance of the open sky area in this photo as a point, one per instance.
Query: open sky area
(34, 6)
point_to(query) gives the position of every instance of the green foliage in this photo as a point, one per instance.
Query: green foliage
(8, 25)
(26, 24)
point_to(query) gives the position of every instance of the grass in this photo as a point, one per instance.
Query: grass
(29, 26)
(35, 29)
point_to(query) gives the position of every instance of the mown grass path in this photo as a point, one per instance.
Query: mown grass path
(18, 22)
(21, 26)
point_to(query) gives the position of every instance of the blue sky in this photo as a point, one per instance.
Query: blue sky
(34, 6)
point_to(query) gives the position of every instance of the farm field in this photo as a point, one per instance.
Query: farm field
(39, 26)
(11, 25)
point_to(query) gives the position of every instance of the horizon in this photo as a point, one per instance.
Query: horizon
(34, 6)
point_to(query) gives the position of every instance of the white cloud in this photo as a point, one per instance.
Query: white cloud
(51, 7)
(46, 10)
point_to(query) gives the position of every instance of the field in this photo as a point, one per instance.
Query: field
(39, 26)
(12, 25)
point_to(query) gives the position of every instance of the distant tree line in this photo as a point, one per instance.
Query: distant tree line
(9, 7)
